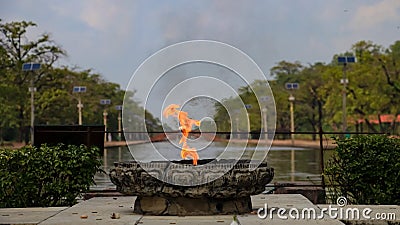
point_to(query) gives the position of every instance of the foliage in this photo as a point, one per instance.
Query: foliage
(247, 96)
(366, 170)
(55, 103)
(46, 176)
(16, 49)
(373, 90)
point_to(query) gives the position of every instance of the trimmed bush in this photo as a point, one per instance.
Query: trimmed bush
(366, 170)
(46, 176)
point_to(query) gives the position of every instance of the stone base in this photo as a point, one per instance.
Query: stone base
(183, 206)
(315, 194)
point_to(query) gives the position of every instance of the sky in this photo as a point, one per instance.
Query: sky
(113, 37)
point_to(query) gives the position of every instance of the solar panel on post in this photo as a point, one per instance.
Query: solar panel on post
(292, 86)
(351, 59)
(105, 101)
(75, 89)
(26, 66)
(82, 89)
(264, 98)
(118, 107)
(341, 59)
(30, 66)
(35, 66)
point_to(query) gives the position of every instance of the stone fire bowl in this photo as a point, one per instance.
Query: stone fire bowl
(207, 189)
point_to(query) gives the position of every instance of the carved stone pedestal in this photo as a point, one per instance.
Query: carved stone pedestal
(227, 192)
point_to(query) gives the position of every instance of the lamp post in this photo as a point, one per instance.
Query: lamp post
(105, 102)
(291, 87)
(237, 127)
(248, 106)
(264, 116)
(119, 109)
(32, 89)
(264, 124)
(292, 164)
(137, 126)
(291, 100)
(79, 89)
(345, 60)
(236, 114)
(128, 128)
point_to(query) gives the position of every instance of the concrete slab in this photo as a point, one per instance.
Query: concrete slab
(282, 201)
(98, 211)
(254, 220)
(192, 220)
(285, 202)
(27, 215)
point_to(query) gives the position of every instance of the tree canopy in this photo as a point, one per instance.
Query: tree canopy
(373, 95)
(372, 92)
(55, 103)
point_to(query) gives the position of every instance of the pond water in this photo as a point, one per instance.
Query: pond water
(290, 163)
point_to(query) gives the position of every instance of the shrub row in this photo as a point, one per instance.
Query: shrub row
(366, 170)
(46, 176)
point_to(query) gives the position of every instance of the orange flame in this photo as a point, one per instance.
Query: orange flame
(189, 152)
(185, 126)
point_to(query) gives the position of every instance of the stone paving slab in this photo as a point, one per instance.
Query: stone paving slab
(282, 201)
(254, 220)
(286, 202)
(98, 211)
(27, 215)
(192, 220)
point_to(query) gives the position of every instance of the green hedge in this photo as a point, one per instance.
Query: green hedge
(366, 169)
(46, 176)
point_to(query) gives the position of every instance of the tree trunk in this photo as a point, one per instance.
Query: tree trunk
(1, 136)
(381, 128)
(21, 133)
(370, 126)
(395, 124)
(320, 117)
(357, 127)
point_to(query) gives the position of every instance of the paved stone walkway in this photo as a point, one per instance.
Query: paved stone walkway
(98, 210)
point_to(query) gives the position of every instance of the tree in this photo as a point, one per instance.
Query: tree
(17, 49)
(283, 73)
(231, 115)
(311, 98)
(284, 70)
(55, 104)
(391, 69)
(372, 90)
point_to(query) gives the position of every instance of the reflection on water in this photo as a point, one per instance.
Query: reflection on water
(290, 164)
(296, 164)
